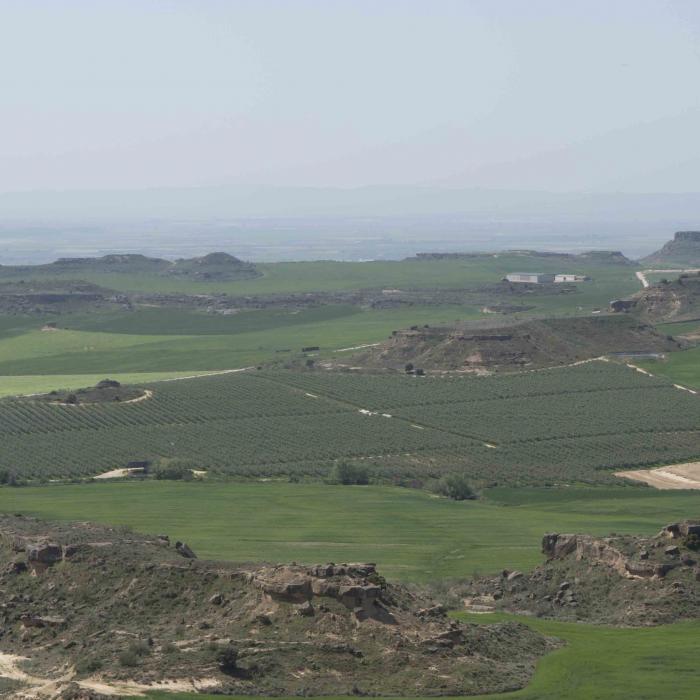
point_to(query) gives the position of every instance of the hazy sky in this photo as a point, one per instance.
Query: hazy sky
(527, 94)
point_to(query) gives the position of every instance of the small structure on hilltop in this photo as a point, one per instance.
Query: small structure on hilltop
(568, 277)
(544, 278)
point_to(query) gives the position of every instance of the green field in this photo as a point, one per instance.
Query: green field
(597, 663)
(172, 339)
(410, 534)
(680, 367)
(563, 425)
(609, 280)
(41, 383)
(186, 341)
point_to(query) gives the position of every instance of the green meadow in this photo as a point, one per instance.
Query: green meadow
(185, 341)
(412, 535)
(680, 367)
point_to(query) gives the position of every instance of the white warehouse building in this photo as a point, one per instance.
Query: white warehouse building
(529, 277)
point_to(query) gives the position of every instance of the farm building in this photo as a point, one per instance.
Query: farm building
(529, 277)
(566, 277)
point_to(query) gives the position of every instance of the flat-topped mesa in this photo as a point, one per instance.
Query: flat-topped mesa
(693, 236)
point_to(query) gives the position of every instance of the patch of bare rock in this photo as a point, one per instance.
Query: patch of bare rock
(620, 579)
(105, 608)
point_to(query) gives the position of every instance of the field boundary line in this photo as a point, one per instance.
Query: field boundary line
(410, 422)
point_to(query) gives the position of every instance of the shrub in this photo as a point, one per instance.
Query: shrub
(350, 474)
(129, 658)
(174, 469)
(88, 665)
(226, 658)
(692, 541)
(456, 487)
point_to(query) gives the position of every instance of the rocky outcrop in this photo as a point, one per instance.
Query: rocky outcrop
(682, 251)
(352, 585)
(616, 579)
(129, 607)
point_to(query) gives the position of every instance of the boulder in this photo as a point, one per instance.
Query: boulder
(556, 546)
(44, 553)
(184, 550)
(294, 591)
(359, 595)
(638, 569)
(671, 551)
(306, 609)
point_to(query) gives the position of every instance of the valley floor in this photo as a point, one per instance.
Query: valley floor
(410, 534)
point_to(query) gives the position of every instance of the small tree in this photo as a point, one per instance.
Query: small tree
(409, 367)
(350, 474)
(456, 487)
(174, 469)
(692, 541)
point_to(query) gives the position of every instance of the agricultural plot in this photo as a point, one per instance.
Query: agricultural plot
(561, 425)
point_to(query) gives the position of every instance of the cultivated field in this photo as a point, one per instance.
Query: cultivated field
(562, 425)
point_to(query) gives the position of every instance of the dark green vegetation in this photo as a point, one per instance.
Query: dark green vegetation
(410, 534)
(597, 663)
(104, 391)
(572, 425)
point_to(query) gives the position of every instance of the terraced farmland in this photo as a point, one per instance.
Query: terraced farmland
(564, 425)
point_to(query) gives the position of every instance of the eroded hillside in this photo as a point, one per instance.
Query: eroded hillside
(111, 610)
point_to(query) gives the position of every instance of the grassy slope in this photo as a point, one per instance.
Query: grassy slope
(410, 534)
(598, 663)
(239, 341)
(680, 367)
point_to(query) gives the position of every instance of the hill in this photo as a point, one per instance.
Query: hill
(682, 251)
(598, 257)
(214, 266)
(620, 579)
(526, 344)
(676, 300)
(108, 607)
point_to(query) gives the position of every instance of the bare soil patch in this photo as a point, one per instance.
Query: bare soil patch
(673, 476)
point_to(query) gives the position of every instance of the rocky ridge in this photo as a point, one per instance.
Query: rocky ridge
(620, 579)
(103, 608)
